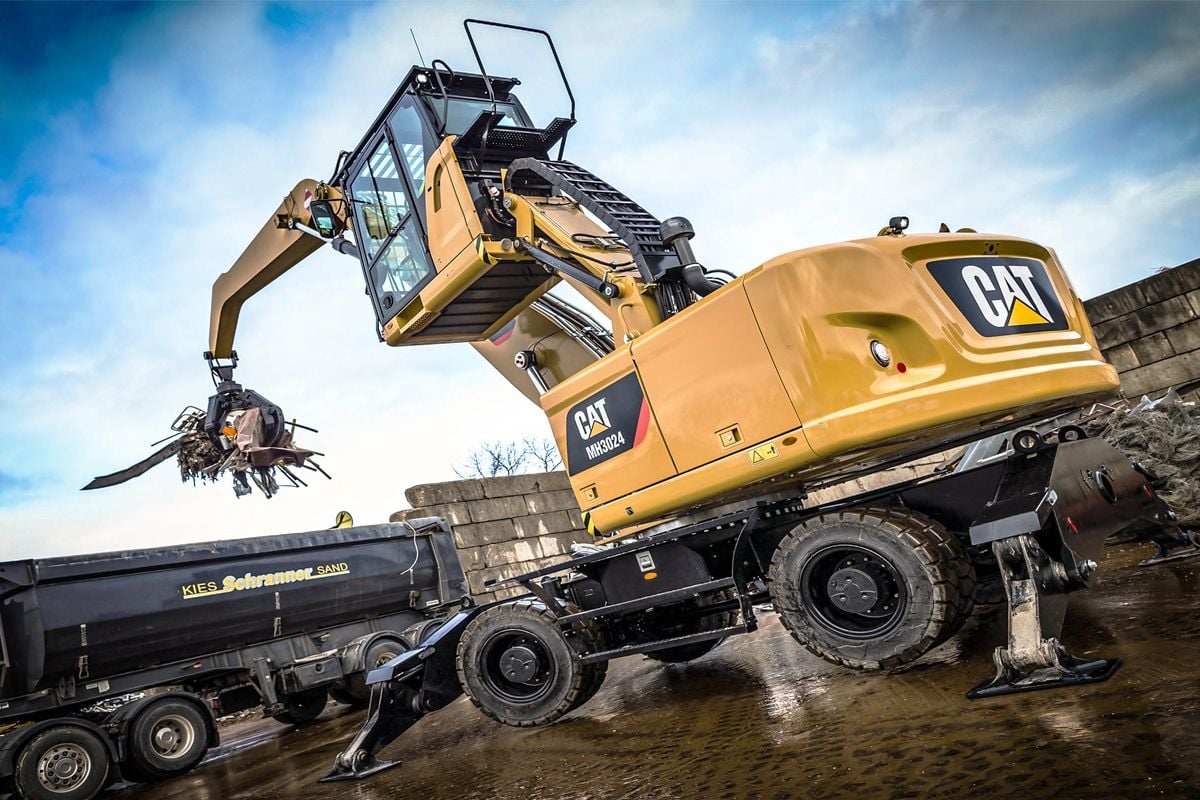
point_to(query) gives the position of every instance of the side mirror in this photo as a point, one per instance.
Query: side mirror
(327, 223)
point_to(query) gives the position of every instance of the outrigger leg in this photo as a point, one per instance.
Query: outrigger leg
(1167, 535)
(403, 691)
(1047, 524)
(1034, 658)
(392, 710)
(1173, 543)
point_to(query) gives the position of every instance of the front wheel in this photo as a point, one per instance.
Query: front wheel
(62, 763)
(520, 668)
(871, 588)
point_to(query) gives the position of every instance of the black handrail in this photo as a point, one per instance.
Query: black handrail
(488, 80)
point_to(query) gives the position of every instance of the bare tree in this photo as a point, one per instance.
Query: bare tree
(542, 454)
(490, 459)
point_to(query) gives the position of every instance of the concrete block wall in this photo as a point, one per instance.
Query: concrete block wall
(503, 526)
(1150, 331)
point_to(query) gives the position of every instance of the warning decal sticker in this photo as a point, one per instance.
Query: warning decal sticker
(1001, 295)
(764, 452)
(610, 422)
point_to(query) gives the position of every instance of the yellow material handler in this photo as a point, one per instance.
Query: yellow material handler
(694, 408)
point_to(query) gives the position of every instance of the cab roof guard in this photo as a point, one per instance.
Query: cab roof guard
(553, 51)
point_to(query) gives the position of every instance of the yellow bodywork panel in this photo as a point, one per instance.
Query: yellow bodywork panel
(775, 376)
(558, 355)
(576, 416)
(453, 224)
(708, 372)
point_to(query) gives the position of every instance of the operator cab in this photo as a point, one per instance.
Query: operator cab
(385, 179)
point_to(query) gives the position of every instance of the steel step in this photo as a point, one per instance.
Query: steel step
(649, 600)
(663, 644)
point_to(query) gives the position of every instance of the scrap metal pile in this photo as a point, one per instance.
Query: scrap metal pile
(1164, 436)
(242, 434)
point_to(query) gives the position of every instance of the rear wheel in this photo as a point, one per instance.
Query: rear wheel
(520, 668)
(62, 763)
(169, 737)
(873, 588)
(303, 707)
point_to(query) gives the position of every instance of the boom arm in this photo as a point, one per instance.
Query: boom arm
(279, 246)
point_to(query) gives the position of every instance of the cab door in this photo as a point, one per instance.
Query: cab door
(386, 190)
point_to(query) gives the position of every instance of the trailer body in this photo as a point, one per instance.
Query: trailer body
(277, 621)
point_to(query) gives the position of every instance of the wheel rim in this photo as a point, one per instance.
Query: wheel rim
(64, 768)
(172, 737)
(517, 666)
(383, 658)
(853, 591)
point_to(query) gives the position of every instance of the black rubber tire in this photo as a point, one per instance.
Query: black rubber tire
(416, 634)
(302, 708)
(38, 754)
(568, 683)
(935, 585)
(381, 651)
(151, 759)
(1070, 433)
(690, 652)
(1027, 441)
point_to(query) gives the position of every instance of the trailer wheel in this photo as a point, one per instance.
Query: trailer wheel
(520, 668)
(169, 737)
(381, 651)
(303, 707)
(871, 588)
(63, 763)
(690, 652)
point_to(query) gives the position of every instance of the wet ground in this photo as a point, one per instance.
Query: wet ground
(761, 718)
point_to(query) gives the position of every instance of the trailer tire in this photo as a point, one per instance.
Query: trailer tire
(167, 738)
(382, 650)
(520, 668)
(65, 762)
(301, 708)
(911, 583)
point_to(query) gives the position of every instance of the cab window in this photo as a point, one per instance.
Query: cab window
(389, 227)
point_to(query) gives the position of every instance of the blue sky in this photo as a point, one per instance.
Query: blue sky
(142, 145)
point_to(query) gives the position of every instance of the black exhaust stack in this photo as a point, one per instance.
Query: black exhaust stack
(677, 233)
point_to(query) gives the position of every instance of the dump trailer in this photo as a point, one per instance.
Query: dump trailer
(696, 415)
(114, 663)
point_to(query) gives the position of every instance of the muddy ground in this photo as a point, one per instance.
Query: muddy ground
(761, 718)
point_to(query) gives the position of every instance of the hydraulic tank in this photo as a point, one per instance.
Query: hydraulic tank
(84, 618)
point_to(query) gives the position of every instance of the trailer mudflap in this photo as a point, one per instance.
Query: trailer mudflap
(403, 691)
(1046, 526)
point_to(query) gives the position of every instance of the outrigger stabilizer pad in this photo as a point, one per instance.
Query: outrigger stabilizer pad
(1186, 544)
(1034, 658)
(1066, 671)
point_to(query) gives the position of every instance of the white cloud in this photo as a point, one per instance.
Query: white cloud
(769, 143)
